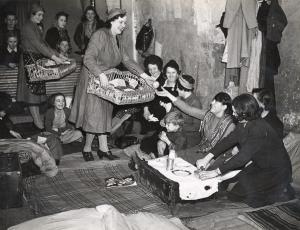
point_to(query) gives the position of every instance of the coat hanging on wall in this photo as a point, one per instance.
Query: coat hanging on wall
(144, 38)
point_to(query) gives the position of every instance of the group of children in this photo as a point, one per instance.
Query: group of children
(10, 39)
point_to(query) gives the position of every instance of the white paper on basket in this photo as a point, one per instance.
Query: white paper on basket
(190, 187)
(118, 82)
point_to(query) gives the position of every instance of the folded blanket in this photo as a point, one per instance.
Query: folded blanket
(102, 217)
(39, 153)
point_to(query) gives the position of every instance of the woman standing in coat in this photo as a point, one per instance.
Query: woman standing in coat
(267, 178)
(34, 48)
(90, 112)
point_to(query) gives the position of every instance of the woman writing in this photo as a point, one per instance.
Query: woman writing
(267, 178)
(34, 48)
(105, 51)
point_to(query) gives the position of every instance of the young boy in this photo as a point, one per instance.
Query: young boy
(63, 47)
(10, 54)
(173, 137)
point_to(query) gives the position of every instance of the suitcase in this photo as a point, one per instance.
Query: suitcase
(11, 189)
(166, 189)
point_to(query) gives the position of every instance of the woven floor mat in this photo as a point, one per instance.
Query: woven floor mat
(80, 188)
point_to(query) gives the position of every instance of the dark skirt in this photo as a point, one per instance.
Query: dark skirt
(30, 93)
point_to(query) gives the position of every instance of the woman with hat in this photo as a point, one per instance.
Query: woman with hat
(34, 48)
(90, 112)
(185, 87)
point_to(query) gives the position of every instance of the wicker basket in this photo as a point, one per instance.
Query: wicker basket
(38, 71)
(142, 92)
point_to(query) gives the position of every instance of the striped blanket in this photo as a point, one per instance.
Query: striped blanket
(80, 188)
(281, 217)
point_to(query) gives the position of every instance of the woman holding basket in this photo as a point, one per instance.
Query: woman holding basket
(90, 112)
(34, 48)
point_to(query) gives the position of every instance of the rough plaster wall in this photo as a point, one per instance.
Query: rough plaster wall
(288, 80)
(186, 30)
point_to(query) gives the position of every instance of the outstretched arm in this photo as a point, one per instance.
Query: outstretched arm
(190, 110)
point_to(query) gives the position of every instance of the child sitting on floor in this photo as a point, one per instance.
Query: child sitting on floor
(8, 131)
(56, 120)
(172, 137)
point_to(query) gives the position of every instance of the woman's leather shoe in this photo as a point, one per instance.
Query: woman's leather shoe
(100, 154)
(107, 155)
(87, 156)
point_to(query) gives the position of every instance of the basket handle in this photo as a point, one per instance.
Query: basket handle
(30, 54)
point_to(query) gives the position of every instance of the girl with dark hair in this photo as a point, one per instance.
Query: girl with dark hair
(90, 112)
(34, 48)
(266, 168)
(58, 32)
(266, 102)
(90, 22)
(56, 120)
(216, 123)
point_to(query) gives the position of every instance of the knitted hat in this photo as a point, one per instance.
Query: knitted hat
(114, 12)
(35, 8)
(185, 83)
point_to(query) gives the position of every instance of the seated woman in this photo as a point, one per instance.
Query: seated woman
(266, 102)
(267, 178)
(58, 31)
(56, 120)
(90, 22)
(291, 142)
(216, 123)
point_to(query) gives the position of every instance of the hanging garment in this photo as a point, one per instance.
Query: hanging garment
(240, 17)
(254, 67)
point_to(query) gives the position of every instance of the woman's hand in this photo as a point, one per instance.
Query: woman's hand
(203, 163)
(165, 93)
(103, 80)
(15, 134)
(57, 60)
(163, 137)
(148, 79)
(66, 59)
(204, 175)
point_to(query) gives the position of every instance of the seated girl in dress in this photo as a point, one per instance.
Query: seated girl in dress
(56, 120)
